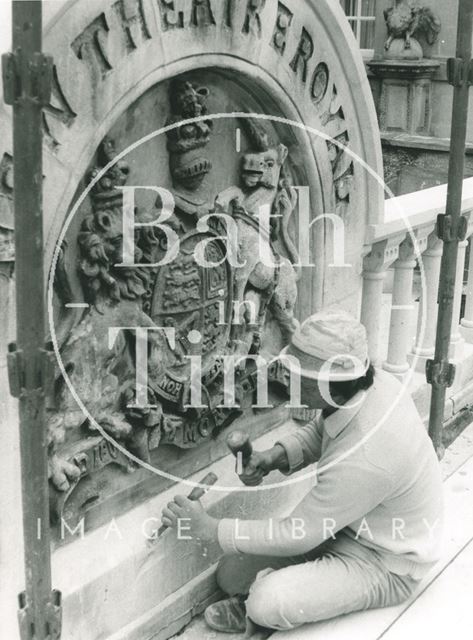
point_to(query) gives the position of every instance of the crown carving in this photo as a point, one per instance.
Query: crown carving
(188, 101)
(105, 194)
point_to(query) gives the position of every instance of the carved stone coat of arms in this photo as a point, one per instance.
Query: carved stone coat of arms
(213, 312)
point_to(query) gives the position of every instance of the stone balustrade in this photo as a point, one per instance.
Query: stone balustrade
(407, 241)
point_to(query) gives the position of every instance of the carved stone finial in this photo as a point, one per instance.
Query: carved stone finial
(188, 163)
(406, 20)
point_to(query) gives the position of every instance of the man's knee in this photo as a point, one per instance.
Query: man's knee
(265, 603)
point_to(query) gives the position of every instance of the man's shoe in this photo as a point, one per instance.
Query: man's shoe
(227, 616)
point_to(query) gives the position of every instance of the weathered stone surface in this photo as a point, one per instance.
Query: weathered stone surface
(124, 71)
(116, 63)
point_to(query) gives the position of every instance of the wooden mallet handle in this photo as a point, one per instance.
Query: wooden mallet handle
(195, 494)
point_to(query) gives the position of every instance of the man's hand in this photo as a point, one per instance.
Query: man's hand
(261, 463)
(258, 466)
(190, 520)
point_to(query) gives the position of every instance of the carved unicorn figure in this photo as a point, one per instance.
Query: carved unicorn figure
(263, 183)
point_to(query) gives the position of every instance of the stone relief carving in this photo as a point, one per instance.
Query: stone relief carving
(114, 296)
(405, 21)
(181, 295)
(58, 110)
(264, 183)
(333, 120)
(252, 23)
(169, 297)
(281, 28)
(188, 161)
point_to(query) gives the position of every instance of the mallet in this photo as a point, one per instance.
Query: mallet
(195, 494)
(239, 444)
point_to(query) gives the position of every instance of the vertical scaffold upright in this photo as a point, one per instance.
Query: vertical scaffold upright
(27, 84)
(451, 226)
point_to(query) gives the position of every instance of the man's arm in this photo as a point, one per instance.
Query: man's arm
(290, 453)
(344, 493)
(304, 446)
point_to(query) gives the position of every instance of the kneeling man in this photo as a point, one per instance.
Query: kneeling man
(367, 532)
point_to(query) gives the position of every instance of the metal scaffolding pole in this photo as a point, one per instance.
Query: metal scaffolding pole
(451, 226)
(27, 83)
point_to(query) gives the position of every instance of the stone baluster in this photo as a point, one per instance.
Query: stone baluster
(7, 256)
(6, 288)
(401, 309)
(424, 345)
(375, 265)
(456, 340)
(467, 320)
(6, 307)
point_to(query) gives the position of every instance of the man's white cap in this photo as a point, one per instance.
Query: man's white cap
(330, 345)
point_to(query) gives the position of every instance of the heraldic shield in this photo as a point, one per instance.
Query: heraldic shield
(195, 301)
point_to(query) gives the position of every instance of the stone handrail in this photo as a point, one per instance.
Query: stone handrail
(420, 207)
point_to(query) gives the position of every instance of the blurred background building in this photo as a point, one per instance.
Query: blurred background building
(412, 97)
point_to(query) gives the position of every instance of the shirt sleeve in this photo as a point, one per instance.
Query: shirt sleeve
(345, 492)
(304, 446)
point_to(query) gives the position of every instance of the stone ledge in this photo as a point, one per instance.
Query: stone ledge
(410, 69)
(175, 612)
(418, 142)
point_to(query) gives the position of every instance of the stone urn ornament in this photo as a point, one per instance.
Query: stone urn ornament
(405, 21)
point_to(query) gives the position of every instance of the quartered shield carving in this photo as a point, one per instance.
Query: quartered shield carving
(190, 298)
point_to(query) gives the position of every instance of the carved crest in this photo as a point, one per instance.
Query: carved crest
(190, 298)
(214, 312)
